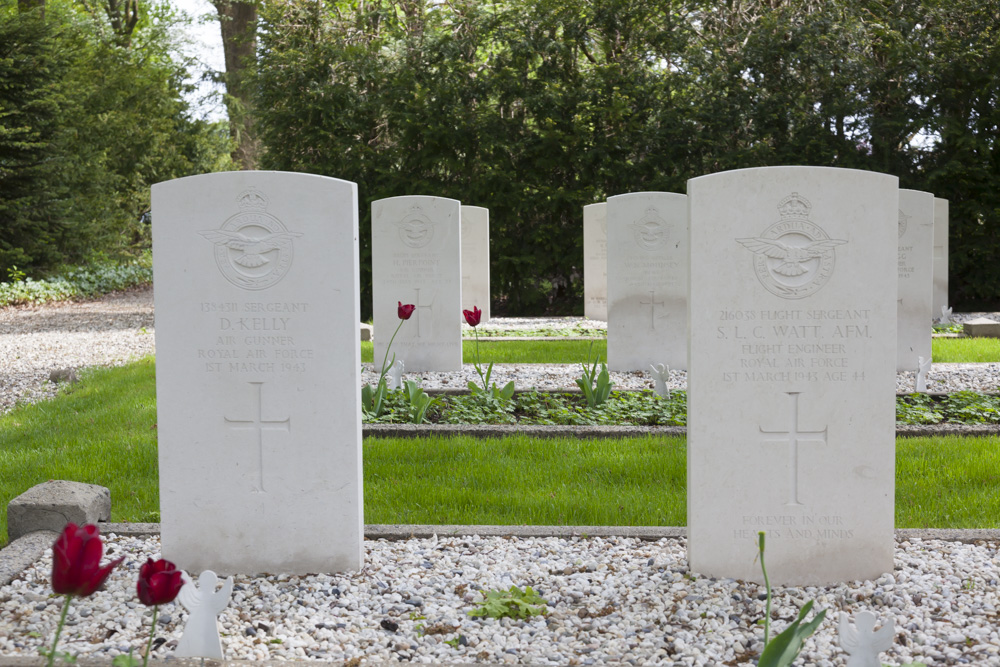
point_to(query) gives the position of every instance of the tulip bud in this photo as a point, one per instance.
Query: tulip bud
(76, 557)
(473, 316)
(405, 310)
(159, 582)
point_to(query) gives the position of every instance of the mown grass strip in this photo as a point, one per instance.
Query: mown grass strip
(520, 480)
(522, 351)
(103, 431)
(944, 350)
(948, 482)
(965, 350)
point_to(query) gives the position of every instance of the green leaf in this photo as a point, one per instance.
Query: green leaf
(125, 660)
(784, 649)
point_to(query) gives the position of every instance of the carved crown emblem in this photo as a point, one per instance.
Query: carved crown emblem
(794, 206)
(252, 200)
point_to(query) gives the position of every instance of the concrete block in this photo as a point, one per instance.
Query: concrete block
(53, 504)
(982, 327)
(366, 331)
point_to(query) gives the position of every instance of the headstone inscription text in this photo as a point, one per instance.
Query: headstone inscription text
(257, 304)
(647, 280)
(791, 378)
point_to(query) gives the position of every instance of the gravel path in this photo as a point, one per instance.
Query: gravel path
(36, 340)
(610, 600)
(116, 329)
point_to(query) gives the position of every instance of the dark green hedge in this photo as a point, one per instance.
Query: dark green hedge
(537, 108)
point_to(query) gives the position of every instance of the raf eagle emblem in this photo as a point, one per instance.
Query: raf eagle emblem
(792, 257)
(250, 251)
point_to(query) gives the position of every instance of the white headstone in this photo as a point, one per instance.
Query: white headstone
(257, 372)
(916, 277)
(475, 260)
(940, 254)
(791, 383)
(417, 258)
(647, 280)
(595, 261)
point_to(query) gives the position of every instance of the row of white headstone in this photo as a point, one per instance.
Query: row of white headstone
(790, 392)
(434, 253)
(636, 275)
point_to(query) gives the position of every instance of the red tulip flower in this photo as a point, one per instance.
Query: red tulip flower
(76, 558)
(473, 316)
(159, 582)
(76, 570)
(405, 310)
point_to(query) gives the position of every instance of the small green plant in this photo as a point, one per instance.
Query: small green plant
(917, 409)
(596, 395)
(84, 281)
(15, 275)
(511, 603)
(125, 660)
(786, 647)
(419, 401)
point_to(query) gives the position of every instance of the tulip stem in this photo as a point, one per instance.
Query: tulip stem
(767, 588)
(152, 633)
(479, 366)
(384, 369)
(62, 622)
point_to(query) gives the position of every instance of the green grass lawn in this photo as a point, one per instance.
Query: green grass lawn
(104, 432)
(945, 350)
(522, 351)
(965, 350)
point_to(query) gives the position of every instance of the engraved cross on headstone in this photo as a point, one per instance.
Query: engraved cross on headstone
(652, 308)
(795, 436)
(419, 306)
(259, 424)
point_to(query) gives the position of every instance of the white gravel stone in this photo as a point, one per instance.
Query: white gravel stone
(943, 602)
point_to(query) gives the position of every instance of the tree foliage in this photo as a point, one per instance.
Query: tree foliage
(31, 67)
(91, 116)
(534, 109)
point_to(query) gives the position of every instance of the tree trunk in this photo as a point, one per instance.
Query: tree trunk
(238, 20)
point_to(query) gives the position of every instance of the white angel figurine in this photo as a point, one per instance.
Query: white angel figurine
(923, 366)
(661, 373)
(395, 376)
(204, 604)
(861, 642)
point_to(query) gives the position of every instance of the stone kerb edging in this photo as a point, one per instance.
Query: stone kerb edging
(26, 550)
(539, 431)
